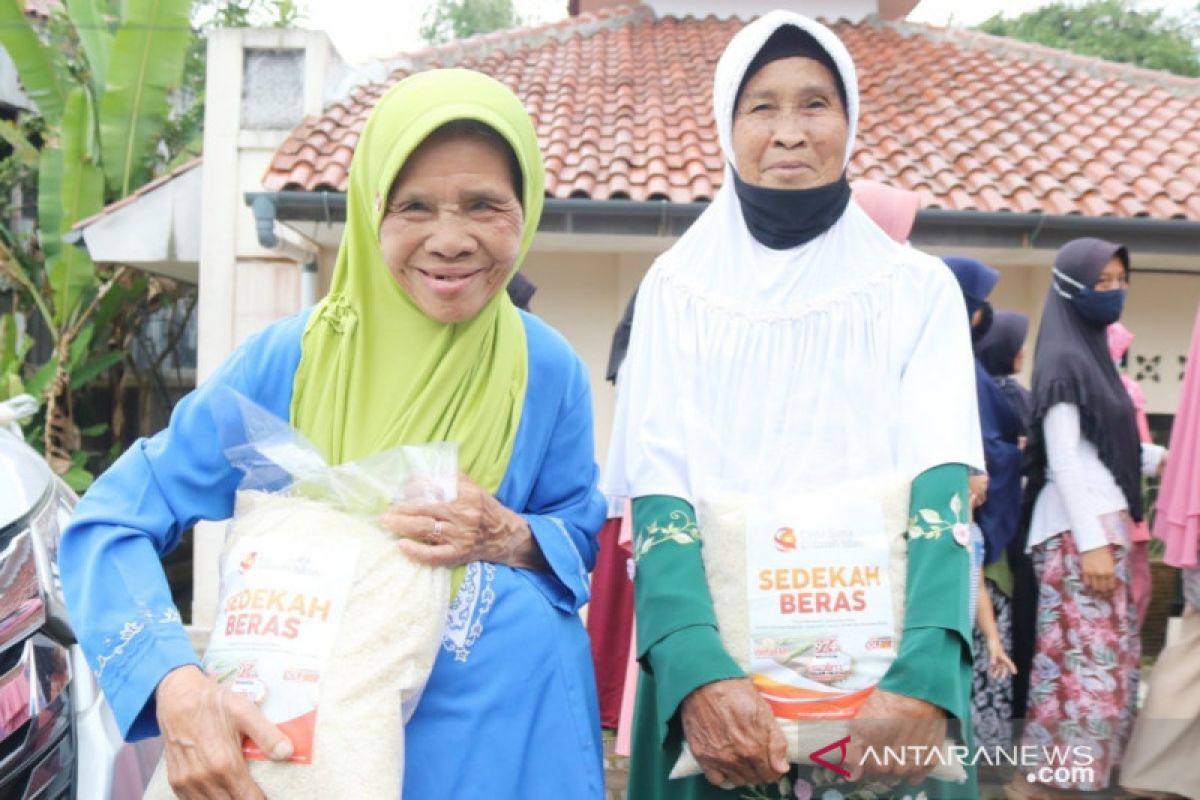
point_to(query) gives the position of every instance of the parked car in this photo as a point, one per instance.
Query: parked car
(58, 738)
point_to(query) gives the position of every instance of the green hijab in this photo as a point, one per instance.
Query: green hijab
(375, 372)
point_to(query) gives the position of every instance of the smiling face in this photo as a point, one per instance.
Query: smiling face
(452, 228)
(789, 127)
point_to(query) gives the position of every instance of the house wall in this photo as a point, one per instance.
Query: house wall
(11, 93)
(582, 294)
(243, 285)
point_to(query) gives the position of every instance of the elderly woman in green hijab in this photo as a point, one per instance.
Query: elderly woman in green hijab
(416, 342)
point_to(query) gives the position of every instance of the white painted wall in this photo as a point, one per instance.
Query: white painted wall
(242, 286)
(1160, 312)
(582, 294)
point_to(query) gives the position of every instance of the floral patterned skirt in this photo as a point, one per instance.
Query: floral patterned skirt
(1083, 686)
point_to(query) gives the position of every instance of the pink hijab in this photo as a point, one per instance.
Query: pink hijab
(1119, 339)
(1177, 522)
(894, 210)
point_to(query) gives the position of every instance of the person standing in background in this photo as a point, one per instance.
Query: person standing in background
(1162, 756)
(996, 503)
(890, 207)
(1085, 480)
(1119, 339)
(1001, 352)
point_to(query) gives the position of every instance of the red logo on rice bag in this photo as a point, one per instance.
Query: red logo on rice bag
(248, 561)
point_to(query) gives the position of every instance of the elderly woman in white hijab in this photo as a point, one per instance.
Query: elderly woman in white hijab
(786, 341)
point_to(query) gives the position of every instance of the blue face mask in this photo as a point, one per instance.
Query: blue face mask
(1099, 308)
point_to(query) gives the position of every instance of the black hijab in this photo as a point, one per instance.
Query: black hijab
(997, 350)
(1072, 364)
(997, 353)
(785, 218)
(521, 291)
(620, 340)
(1000, 516)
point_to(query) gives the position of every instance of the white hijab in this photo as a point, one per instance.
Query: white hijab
(847, 357)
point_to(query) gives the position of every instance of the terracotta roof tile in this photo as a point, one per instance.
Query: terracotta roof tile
(622, 105)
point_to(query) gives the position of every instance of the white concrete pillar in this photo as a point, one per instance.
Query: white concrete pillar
(241, 285)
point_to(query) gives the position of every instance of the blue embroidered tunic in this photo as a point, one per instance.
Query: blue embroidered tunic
(510, 708)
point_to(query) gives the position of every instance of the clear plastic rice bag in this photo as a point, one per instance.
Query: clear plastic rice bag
(809, 595)
(322, 621)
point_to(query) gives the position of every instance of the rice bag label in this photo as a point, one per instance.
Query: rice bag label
(277, 623)
(822, 631)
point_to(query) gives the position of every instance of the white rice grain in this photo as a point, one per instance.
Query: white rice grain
(722, 522)
(389, 636)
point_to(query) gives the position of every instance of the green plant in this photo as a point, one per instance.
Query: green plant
(1112, 30)
(13, 349)
(101, 77)
(447, 20)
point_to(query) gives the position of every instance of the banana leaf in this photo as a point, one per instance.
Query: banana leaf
(79, 348)
(91, 369)
(71, 275)
(78, 477)
(10, 386)
(117, 297)
(147, 61)
(70, 188)
(93, 23)
(12, 356)
(70, 185)
(38, 65)
(24, 152)
(8, 340)
(40, 380)
(82, 189)
(49, 200)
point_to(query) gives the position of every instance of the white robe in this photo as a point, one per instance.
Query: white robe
(844, 358)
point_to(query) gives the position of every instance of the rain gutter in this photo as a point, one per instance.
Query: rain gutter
(934, 227)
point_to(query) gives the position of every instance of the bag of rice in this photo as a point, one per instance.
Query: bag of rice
(809, 597)
(322, 620)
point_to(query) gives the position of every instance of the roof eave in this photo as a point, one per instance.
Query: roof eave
(934, 227)
(1004, 229)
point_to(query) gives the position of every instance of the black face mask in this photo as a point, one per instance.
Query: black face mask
(785, 218)
(984, 325)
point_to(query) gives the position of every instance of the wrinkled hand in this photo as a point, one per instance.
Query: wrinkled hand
(202, 726)
(1000, 666)
(474, 527)
(733, 735)
(892, 720)
(1099, 571)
